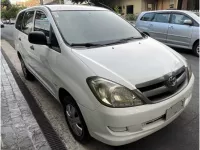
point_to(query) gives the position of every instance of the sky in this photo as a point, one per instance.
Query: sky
(14, 1)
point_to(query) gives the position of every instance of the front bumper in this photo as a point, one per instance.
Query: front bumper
(102, 121)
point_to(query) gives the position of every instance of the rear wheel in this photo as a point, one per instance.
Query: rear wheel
(196, 49)
(75, 120)
(27, 74)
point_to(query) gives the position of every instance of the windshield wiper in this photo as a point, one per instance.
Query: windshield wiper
(104, 44)
(85, 44)
(124, 40)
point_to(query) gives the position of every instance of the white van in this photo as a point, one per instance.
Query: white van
(114, 83)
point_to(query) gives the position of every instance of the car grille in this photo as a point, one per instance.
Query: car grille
(164, 87)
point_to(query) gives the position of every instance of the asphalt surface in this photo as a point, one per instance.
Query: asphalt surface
(183, 133)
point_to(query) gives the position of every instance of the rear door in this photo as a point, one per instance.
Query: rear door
(179, 34)
(18, 35)
(158, 27)
(27, 27)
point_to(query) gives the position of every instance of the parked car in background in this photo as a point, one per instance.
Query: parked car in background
(2, 25)
(7, 21)
(12, 21)
(114, 83)
(3, 21)
(175, 28)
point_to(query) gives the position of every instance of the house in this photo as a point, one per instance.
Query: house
(28, 3)
(137, 6)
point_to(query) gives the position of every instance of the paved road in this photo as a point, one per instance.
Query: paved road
(181, 134)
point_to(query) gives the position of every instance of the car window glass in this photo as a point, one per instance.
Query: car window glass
(19, 21)
(27, 24)
(42, 23)
(54, 41)
(178, 18)
(147, 17)
(161, 17)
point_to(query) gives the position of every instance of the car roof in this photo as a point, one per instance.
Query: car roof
(73, 7)
(67, 7)
(169, 10)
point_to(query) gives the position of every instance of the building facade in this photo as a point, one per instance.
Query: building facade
(137, 6)
(28, 3)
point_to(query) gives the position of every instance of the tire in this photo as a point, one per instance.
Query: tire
(196, 49)
(27, 74)
(75, 120)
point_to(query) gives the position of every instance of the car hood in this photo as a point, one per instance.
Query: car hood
(131, 63)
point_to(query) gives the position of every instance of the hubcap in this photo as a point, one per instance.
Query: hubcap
(197, 49)
(74, 119)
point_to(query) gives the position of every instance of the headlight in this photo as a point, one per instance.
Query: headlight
(189, 70)
(112, 94)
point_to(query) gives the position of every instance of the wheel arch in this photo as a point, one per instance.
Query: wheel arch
(62, 93)
(195, 43)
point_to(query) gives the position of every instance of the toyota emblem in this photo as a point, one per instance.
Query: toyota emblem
(172, 83)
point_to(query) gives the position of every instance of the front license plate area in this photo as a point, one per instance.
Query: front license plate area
(174, 109)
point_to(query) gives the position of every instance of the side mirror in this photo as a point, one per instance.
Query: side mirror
(188, 22)
(37, 37)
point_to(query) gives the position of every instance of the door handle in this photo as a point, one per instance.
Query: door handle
(19, 39)
(171, 27)
(32, 47)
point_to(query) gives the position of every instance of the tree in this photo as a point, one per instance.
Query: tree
(11, 12)
(5, 3)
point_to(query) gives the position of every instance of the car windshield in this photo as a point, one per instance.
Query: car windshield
(87, 28)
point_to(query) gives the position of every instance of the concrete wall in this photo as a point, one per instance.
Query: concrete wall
(165, 4)
(141, 5)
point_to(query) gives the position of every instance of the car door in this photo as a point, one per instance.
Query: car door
(26, 28)
(45, 55)
(143, 23)
(158, 27)
(179, 34)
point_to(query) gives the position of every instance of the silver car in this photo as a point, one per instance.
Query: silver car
(175, 28)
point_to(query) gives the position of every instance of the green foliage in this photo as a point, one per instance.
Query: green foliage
(5, 3)
(131, 17)
(11, 12)
(116, 9)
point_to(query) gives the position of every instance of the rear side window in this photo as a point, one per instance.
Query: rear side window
(27, 24)
(19, 21)
(42, 23)
(147, 17)
(161, 17)
(179, 19)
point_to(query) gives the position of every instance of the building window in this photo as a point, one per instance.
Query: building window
(129, 9)
(171, 4)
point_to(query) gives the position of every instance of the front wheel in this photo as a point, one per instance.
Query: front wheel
(196, 49)
(75, 120)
